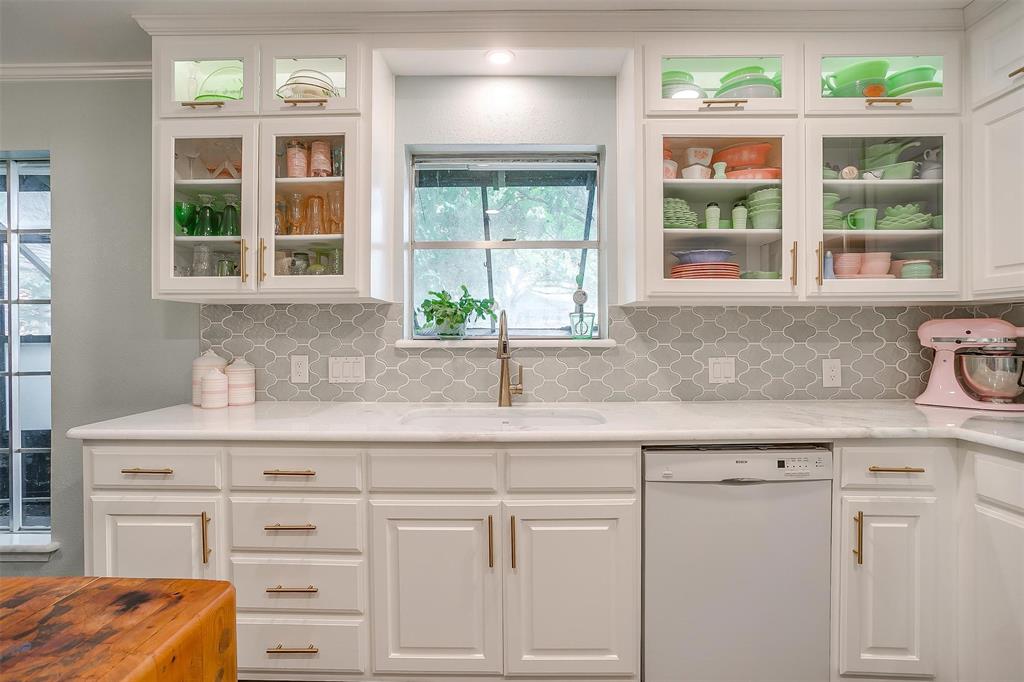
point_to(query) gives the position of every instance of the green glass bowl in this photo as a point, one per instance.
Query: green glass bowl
(676, 77)
(874, 69)
(742, 71)
(909, 76)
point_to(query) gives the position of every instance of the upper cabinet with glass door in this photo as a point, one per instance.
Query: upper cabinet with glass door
(724, 73)
(883, 73)
(308, 75)
(205, 76)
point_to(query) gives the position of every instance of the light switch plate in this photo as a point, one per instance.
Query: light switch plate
(300, 369)
(722, 370)
(831, 373)
(347, 370)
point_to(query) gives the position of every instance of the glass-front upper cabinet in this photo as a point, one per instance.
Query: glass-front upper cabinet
(726, 73)
(204, 210)
(200, 76)
(882, 73)
(721, 214)
(883, 209)
(308, 74)
(307, 204)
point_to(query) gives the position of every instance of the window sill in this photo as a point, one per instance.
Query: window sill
(515, 343)
(20, 547)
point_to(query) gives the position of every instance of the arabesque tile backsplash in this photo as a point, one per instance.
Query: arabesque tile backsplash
(662, 353)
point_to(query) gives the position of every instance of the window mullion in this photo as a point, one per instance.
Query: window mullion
(13, 339)
(488, 260)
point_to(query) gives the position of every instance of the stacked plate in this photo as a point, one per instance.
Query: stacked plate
(677, 214)
(706, 271)
(913, 221)
(833, 219)
(307, 84)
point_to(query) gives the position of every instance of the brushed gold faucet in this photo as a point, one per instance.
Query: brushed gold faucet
(506, 389)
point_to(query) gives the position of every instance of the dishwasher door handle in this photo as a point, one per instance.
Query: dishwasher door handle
(743, 480)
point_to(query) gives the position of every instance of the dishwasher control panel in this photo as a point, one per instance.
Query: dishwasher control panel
(801, 467)
(745, 465)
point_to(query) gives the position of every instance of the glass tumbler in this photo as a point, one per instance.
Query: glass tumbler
(296, 214)
(315, 216)
(320, 158)
(202, 261)
(336, 206)
(296, 159)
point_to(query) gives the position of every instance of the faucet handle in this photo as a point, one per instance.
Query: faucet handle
(517, 388)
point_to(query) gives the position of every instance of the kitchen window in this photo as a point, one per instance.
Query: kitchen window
(521, 230)
(25, 289)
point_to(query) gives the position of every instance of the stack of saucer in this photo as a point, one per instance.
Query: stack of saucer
(677, 214)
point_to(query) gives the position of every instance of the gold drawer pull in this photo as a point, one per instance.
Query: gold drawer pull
(859, 520)
(296, 101)
(203, 103)
(898, 101)
(895, 470)
(280, 589)
(282, 649)
(155, 472)
(735, 103)
(820, 251)
(204, 519)
(513, 536)
(303, 526)
(490, 541)
(263, 255)
(796, 262)
(1016, 72)
(241, 262)
(289, 472)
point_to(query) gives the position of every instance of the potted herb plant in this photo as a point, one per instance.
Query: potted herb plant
(449, 316)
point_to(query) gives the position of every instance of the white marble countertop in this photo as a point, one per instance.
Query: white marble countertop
(637, 423)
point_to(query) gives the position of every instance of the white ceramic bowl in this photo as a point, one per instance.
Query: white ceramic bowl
(699, 156)
(695, 172)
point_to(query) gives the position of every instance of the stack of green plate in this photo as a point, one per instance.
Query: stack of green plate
(914, 221)
(833, 219)
(677, 214)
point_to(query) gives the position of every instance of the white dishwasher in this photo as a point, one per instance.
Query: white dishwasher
(736, 563)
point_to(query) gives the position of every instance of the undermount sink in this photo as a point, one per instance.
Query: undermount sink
(500, 418)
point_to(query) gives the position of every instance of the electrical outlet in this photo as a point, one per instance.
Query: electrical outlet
(300, 369)
(831, 373)
(722, 370)
(347, 370)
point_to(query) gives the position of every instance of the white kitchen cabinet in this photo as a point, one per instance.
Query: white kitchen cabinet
(995, 53)
(861, 144)
(436, 576)
(309, 57)
(687, 73)
(571, 588)
(199, 76)
(997, 165)
(881, 73)
(888, 586)
(156, 537)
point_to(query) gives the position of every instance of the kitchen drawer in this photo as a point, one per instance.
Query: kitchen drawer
(320, 645)
(1000, 480)
(298, 584)
(297, 523)
(155, 466)
(573, 469)
(882, 466)
(285, 468)
(434, 469)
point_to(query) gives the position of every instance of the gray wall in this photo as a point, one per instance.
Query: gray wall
(115, 350)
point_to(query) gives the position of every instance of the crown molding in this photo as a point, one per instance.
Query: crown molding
(548, 21)
(76, 71)
(979, 9)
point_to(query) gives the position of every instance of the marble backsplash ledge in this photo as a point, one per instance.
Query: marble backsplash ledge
(662, 353)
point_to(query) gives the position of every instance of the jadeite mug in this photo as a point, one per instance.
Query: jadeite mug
(862, 219)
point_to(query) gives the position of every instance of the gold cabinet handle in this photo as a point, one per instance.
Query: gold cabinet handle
(279, 589)
(859, 520)
(735, 103)
(898, 101)
(895, 470)
(205, 520)
(513, 536)
(490, 541)
(1016, 72)
(154, 472)
(241, 262)
(193, 104)
(262, 269)
(296, 101)
(282, 649)
(820, 251)
(294, 526)
(796, 262)
(289, 472)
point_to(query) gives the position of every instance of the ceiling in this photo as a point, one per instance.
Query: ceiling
(60, 31)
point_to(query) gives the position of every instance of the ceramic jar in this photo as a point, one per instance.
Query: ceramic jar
(241, 382)
(200, 366)
(296, 159)
(214, 390)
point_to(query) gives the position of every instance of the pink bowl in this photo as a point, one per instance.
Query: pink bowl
(877, 256)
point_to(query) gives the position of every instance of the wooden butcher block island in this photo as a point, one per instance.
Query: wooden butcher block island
(116, 629)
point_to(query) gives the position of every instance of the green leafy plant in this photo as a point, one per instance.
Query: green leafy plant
(448, 315)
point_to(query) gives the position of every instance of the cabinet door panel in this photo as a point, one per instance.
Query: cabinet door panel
(998, 595)
(571, 599)
(437, 592)
(887, 600)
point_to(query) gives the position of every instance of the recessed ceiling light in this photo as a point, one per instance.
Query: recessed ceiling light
(500, 56)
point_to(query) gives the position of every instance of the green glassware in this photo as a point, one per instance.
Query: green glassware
(205, 225)
(230, 223)
(184, 217)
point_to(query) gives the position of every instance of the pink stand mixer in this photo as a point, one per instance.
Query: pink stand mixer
(977, 364)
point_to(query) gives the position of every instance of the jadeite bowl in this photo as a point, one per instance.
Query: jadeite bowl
(766, 193)
(908, 76)
(742, 71)
(872, 69)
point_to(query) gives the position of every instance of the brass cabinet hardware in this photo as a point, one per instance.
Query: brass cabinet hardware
(735, 103)
(193, 104)
(294, 526)
(262, 269)
(155, 472)
(796, 262)
(296, 101)
(820, 251)
(898, 101)
(241, 262)
(1016, 72)
(513, 536)
(205, 520)
(289, 472)
(895, 470)
(282, 649)
(859, 520)
(280, 589)
(490, 541)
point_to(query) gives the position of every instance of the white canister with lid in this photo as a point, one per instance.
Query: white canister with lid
(215, 389)
(241, 382)
(200, 366)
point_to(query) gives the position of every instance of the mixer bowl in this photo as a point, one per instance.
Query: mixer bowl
(991, 377)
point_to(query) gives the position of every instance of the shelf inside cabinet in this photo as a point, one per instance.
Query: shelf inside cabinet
(209, 185)
(301, 240)
(883, 235)
(749, 237)
(182, 239)
(715, 190)
(310, 185)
